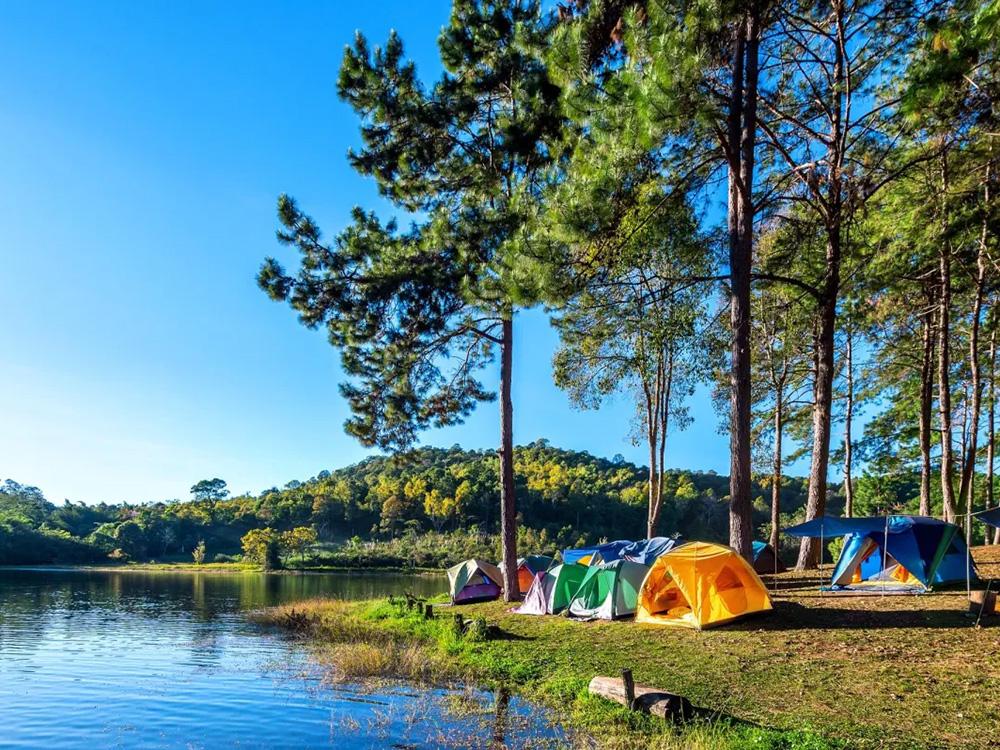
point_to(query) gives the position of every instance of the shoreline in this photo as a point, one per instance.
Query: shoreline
(815, 673)
(375, 643)
(219, 569)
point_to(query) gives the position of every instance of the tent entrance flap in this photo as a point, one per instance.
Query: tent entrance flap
(668, 603)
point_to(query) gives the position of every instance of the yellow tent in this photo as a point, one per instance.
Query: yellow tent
(700, 585)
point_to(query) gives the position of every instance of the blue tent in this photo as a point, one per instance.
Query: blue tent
(646, 551)
(902, 552)
(992, 517)
(608, 552)
(765, 560)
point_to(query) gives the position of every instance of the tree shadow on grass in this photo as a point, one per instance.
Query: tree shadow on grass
(497, 633)
(795, 616)
(779, 585)
(711, 716)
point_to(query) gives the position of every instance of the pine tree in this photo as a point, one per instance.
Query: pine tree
(417, 313)
(680, 80)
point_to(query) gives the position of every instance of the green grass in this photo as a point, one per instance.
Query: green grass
(821, 671)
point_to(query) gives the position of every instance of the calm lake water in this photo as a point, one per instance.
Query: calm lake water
(162, 660)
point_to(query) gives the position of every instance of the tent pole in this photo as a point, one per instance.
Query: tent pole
(821, 545)
(968, 548)
(885, 552)
(775, 553)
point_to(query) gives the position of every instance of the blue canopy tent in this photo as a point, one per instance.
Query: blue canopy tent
(992, 517)
(900, 553)
(834, 526)
(646, 551)
(608, 552)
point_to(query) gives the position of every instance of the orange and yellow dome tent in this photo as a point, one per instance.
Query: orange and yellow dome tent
(700, 585)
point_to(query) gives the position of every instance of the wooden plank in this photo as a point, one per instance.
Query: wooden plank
(648, 699)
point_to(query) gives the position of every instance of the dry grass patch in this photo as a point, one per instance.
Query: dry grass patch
(366, 643)
(366, 661)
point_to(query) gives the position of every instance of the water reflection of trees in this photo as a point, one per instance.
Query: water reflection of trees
(78, 607)
(199, 595)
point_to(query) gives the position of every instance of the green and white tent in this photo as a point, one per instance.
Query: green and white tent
(609, 591)
(552, 590)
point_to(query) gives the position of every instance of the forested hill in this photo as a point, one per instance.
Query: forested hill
(564, 497)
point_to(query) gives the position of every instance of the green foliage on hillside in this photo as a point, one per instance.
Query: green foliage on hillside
(429, 508)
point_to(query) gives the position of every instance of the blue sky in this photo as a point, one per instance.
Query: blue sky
(144, 145)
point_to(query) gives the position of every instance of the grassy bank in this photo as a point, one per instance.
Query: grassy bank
(240, 567)
(174, 567)
(823, 670)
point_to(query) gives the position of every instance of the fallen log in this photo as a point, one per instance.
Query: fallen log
(650, 700)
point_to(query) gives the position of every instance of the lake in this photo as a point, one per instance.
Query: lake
(129, 659)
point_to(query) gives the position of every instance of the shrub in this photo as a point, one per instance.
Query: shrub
(198, 553)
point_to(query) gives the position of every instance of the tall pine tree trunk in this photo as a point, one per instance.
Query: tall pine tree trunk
(992, 434)
(664, 425)
(658, 415)
(822, 397)
(652, 440)
(508, 501)
(926, 407)
(655, 495)
(968, 494)
(779, 407)
(848, 416)
(742, 132)
(944, 359)
(826, 329)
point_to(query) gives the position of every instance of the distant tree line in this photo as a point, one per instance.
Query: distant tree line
(565, 498)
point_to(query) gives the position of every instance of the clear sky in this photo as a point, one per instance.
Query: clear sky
(143, 147)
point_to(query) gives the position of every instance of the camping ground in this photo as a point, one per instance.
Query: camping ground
(822, 670)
